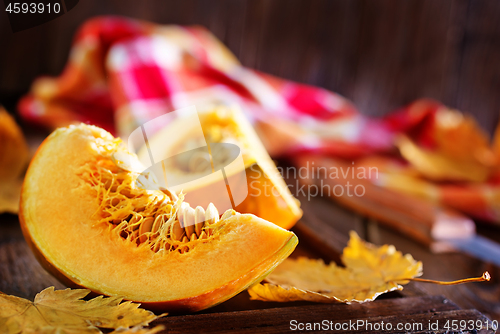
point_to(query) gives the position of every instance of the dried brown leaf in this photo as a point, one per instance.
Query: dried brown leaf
(461, 150)
(435, 165)
(369, 272)
(64, 311)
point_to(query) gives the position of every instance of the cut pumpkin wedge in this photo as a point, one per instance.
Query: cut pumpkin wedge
(266, 194)
(92, 225)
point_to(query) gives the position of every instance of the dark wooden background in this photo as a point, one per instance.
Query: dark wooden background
(379, 53)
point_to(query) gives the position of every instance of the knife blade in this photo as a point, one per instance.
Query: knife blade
(477, 246)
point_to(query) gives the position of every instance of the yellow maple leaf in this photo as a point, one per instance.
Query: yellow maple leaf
(369, 271)
(64, 311)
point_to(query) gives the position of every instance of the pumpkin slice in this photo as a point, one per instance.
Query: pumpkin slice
(92, 225)
(266, 193)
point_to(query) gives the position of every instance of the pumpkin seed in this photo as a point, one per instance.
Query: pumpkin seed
(177, 231)
(146, 227)
(159, 221)
(199, 218)
(189, 220)
(181, 213)
(211, 215)
(227, 214)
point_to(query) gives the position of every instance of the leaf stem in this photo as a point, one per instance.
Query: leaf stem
(486, 277)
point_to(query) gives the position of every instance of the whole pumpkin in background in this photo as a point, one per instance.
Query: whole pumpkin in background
(14, 155)
(91, 225)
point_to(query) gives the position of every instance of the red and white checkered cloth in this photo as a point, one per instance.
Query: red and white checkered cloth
(122, 73)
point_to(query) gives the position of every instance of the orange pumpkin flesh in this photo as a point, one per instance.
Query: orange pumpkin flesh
(64, 220)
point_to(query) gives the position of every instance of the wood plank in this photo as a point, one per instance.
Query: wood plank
(478, 72)
(20, 273)
(320, 237)
(402, 45)
(277, 320)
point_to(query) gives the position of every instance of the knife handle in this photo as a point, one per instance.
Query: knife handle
(417, 218)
